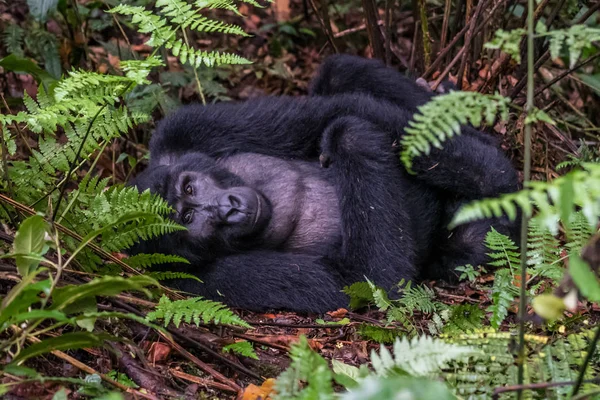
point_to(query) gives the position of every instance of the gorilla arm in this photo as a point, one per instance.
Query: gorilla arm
(378, 235)
(470, 165)
(264, 280)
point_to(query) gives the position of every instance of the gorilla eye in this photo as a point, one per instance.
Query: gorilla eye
(187, 216)
(188, 189)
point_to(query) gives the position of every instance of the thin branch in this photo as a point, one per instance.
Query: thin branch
(526, 177)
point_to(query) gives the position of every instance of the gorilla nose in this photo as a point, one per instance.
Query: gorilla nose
(235, 208)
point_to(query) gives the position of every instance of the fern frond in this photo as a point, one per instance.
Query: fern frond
(197, 58)
(179, 15)
(421, 356)
(440, 119)
(12, 38)
(196, 310)
(360, 294)
(580, 188)
(243, 348)
(166, 275)
(147, 260)
(508, 41)
(147, 22)
(306, 366)
(182, 14)
(579, 232)
(505, 252)
(379, 334)
(543, 251)
(503, 294)
(577, 38)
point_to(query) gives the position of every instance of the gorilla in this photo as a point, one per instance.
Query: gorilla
(286, 200)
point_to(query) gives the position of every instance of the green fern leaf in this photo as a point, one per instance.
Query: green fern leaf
(421, 356)
(440, 119)
(307, 366)
(196, 310)
(243, 348)
(166, 275)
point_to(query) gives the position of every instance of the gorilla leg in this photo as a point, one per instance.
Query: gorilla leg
(264, 280)
(377, 235)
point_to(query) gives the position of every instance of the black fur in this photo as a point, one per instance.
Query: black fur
(391, 224)
(470, 169)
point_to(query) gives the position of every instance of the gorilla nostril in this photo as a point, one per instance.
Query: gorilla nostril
(235, 201)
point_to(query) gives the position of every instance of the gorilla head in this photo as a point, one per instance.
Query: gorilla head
(220, 212)
(242, 202)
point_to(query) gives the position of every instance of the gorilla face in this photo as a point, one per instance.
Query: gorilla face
(208, 208)
(217, 208)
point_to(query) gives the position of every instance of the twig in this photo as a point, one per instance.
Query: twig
(457, 37)
(261, 341)
(534, 386)
(567, 72)
(425, 33)
(201, 364)
(467, 44)
(371, 17)
(298, 326)
(526, 177)
(546, 56)
(326, 29)
(84, 367)
(200, 381)
(356, 29)
(206, 349)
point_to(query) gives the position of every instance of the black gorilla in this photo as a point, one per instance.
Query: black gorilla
(268, 227)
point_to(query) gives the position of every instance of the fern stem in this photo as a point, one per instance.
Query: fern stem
(198, 84)
(586, 361)
(526, 178)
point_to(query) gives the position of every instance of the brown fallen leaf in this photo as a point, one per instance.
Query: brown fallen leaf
(262, 392)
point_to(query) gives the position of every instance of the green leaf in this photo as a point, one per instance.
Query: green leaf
(40, 9)
(344, 374)
(66, 341)
(592, 81)
(243, 348)
(548, 306)
(585, 279)
(19, 370)
(23, 295)
(26, 66)
(105, 286)
(29, 240)
(399, 387)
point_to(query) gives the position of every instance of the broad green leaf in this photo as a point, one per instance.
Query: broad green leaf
(19, 370)
(548, 306)
(592, 81)
(66, 341)
(40, 9)
(23, 295)
(105, 286)
(39, 314)
(25, 65)
(344, 374)
(585, 279)
(29, 240)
